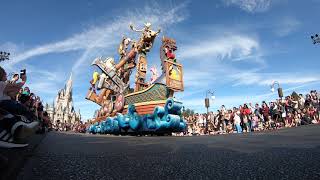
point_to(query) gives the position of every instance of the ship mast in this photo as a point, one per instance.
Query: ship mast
(144, 45)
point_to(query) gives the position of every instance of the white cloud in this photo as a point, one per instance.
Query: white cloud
(210, 61)
(11, 47)
(43, 89)
(76, 42)
(286, 25)
(227, 46)
(251, 6)
(44, 75)
(100, 37)
(255, 78)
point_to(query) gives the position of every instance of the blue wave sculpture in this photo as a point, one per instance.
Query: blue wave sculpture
(165, 119)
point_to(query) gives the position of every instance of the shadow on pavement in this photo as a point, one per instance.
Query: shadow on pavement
(17, 157)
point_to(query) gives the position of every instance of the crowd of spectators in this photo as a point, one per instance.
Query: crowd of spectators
(34, 104)
(78, 126)
(21, 111)
(292, 111)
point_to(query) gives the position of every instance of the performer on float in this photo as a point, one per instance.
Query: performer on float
(154, 75)
(122, 50)
(127, 60)
(170, 54)
(95, 77)
(147, 38)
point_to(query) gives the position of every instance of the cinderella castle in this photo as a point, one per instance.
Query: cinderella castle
(62, 108)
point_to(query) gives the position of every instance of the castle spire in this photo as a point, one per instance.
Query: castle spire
(69, 85)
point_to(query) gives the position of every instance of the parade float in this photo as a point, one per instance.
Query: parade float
(149, 107)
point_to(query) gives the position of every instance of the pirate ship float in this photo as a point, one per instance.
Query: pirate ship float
(150, 106)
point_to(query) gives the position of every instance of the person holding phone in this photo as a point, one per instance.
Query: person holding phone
(8, 94)
(13, 126)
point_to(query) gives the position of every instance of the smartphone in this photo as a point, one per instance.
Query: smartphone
(22, 72)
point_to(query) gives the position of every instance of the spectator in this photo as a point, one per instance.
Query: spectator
(255, 123)
(301, 101)
(265, 111)
(19, 94)
(246, 117)
(297, 119)
(12, 127)
(237, 122)
(289, 120)
(14, 79)
(26, 91)
(46, 121)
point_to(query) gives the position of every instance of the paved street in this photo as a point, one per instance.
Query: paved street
(284, 154)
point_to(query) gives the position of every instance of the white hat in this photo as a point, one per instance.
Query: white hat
(147, 24)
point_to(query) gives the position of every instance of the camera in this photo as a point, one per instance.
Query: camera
(22, 72)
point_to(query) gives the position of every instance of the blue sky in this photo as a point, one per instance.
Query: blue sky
(233, 47)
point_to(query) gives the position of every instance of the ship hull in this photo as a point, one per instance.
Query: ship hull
(145, 108)
(155, 92)
(146, 100)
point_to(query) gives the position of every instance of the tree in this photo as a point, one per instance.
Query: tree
(188, 112)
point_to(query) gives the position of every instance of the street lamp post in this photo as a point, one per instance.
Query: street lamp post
(280, 93)
(315, 39)
(207, 105)
(4, 56)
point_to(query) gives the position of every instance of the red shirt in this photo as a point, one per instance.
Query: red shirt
(170, 54)
(265, 111)
(246, 111)
(311, 112)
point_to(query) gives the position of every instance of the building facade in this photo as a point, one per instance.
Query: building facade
(62, 109)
